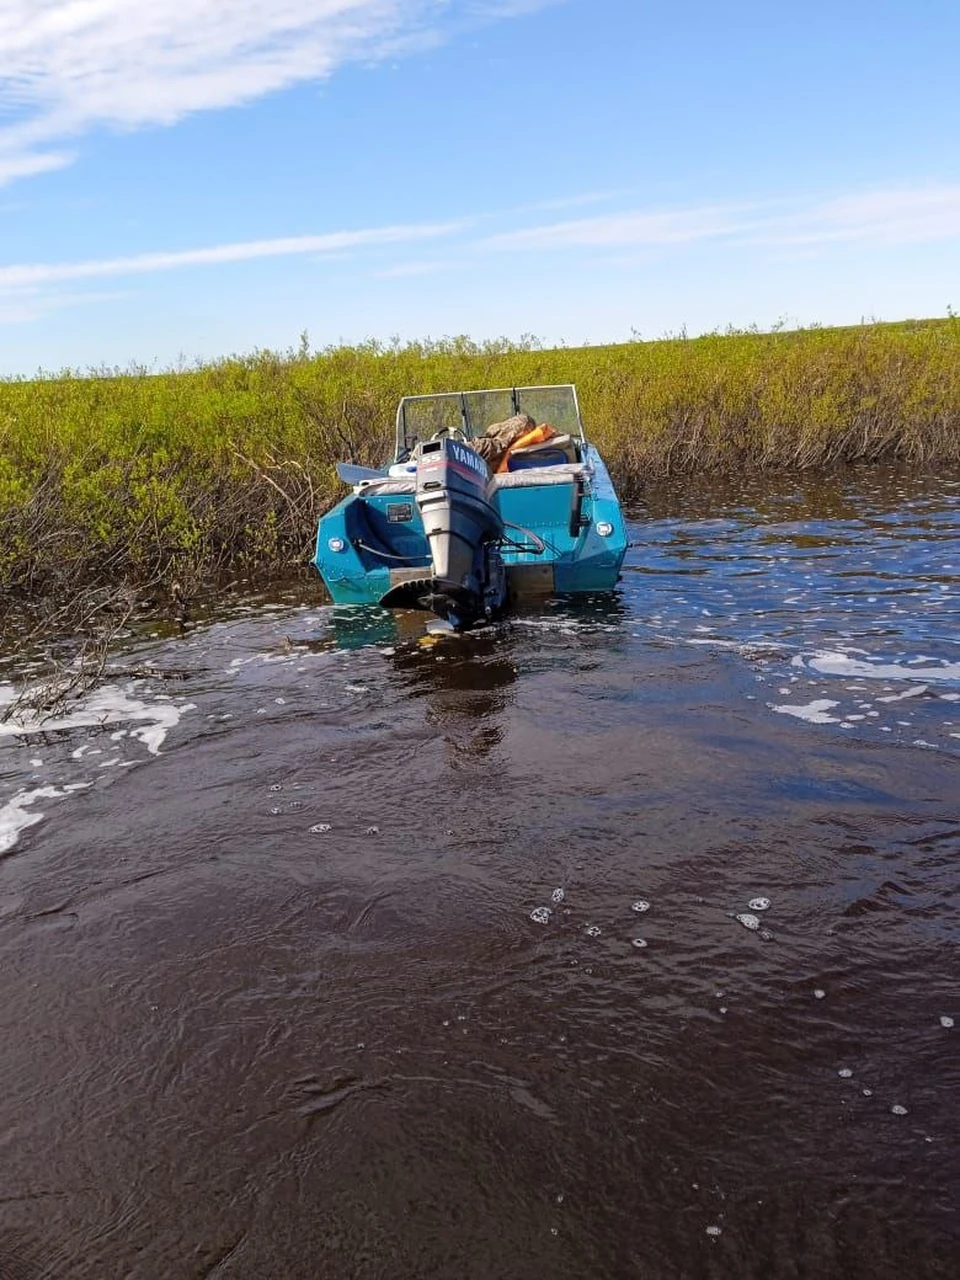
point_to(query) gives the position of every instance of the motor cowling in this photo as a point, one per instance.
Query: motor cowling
(463, 529)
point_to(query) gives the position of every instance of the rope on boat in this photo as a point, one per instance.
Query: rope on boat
(375, 551)
(539, 546)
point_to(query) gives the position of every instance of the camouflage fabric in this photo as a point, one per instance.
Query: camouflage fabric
(499, 436)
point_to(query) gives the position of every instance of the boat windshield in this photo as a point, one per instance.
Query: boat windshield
(471, 412)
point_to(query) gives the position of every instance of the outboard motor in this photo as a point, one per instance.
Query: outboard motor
(468, 581)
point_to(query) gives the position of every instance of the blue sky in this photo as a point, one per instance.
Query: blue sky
(182, 182)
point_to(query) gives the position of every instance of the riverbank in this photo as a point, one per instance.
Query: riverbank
(169, 480)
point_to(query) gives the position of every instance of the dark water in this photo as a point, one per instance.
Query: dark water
(274, 1004)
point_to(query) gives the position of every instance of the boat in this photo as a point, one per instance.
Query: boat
(492, 496)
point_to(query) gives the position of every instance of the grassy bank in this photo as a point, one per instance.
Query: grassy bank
(155, 477)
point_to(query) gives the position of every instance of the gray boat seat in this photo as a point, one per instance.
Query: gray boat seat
(557, 473)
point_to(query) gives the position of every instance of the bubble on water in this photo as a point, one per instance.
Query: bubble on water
(759, 904)
(320, 828)
(867, 1093)
(766, 935)
(640, 906)
(898, 1110)
(277, 786)
(592, 930)
(558, 895)
(819, 993)
(714, 1231)
(844, 1073)
(281, 702)
(639, 943)
(946, 1020)
(275, 810)
(372, 831)
(748, 921)
(541, 915)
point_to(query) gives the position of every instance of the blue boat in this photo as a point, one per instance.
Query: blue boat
(492, 496)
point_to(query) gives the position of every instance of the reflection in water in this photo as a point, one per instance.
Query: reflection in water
(466, 681)
(616, 940)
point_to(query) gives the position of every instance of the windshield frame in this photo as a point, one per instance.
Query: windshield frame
(407, 437)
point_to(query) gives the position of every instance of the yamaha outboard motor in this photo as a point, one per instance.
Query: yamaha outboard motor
(468, 582)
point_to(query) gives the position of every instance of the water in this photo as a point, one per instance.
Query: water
(320, 940)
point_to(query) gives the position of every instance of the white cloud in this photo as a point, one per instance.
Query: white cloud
(405, 270)
(30, 275)
(873, 218)
(28, 305)
(897, 216)
(67, 66)
(802, 228)
(617, 230)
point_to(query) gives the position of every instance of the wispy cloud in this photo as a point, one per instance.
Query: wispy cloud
(30, 275)
(67, 66)
(632, 239)
(616, 230)
(23, 306)
(873, 218)
(405, 270)
(895, 216)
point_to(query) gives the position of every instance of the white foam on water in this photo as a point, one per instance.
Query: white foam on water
(813, 712)
(748, 921)
(946, 1021)
(829, 663)
(558, 895)
(14, 815)
(759, 904)
(907, 693)
(640, 906)
(541, 915)
(105, 706)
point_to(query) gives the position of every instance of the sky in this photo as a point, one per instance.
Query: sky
(180, 183)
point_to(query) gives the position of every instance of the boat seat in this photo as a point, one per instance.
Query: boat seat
(546, 453)
(555, 473)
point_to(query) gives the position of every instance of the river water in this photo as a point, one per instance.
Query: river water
(617, 941)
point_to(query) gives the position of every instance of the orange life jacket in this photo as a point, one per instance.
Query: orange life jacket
(536, 436)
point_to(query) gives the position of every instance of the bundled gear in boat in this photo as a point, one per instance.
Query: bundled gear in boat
(538, 435)
(499, 437)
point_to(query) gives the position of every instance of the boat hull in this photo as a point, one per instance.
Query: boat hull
(374, 543)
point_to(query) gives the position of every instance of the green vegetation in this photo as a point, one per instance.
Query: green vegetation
(149, 478)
